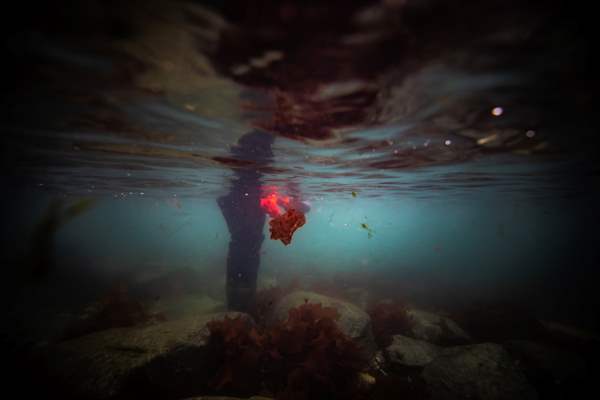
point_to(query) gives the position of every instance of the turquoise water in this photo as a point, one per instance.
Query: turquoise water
(469, 247)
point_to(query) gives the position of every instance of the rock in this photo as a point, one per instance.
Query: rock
(186, 306)
(554, 363)
(378, 363)
(165, 281)
(499, 322)
(165, 358)
(365, 381)
(227, 398)
(410, 352)
(267, 281)
(358, 296)
(570, 334)
(352, 321)
(481, 371)
(117, 309)
(436, 329)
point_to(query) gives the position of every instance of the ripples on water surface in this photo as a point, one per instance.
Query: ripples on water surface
(397, 98)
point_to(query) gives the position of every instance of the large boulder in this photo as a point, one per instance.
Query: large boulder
(481, 371)
(436, 329)
(409, 352)
(164, 360)
(352, 321)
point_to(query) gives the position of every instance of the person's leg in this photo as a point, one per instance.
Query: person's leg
(245, 220)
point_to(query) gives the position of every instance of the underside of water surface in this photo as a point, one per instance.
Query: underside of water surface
(300, 200)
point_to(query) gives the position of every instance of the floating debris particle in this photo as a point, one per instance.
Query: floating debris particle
(368, 229)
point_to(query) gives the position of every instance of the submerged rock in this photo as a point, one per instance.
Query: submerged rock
(436, 329)
(499, 322)
(378, 363)
(117, 309)
(570, 334)
(359, 297)
(548, 361)
(352, 321)
(365, 381)
(408, 352)
(388, 319)
(227, 398)
(165, 281)
(165, 360)
(481, 371)
(186, 306)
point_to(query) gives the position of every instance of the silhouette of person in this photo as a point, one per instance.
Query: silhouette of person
(245, 219)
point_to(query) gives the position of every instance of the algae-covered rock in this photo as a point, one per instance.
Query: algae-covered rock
(166, 358)
(352, 321)
(409, 352)
(436, 329)
(481, 371)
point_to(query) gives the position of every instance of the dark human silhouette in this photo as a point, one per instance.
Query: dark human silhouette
(245, 219)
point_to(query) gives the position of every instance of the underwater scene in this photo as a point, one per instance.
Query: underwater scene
(293, 200)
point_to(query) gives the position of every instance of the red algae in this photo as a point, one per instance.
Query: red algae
(115, 310)
(283, 227)
(238, 352)
(317, 359)
(304, 357)
(388, 319)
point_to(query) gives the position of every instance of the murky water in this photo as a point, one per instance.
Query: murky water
(443, 156)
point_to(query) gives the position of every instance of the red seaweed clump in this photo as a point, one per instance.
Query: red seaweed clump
(388, 319)
(115, 310)
(284, 226)
(238, 352)
(310, 358)
(305, 357)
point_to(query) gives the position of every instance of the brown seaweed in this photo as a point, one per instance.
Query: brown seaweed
(318, 360)
(304, 357)
(388, 319)
(238, 353)
(115, 310)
